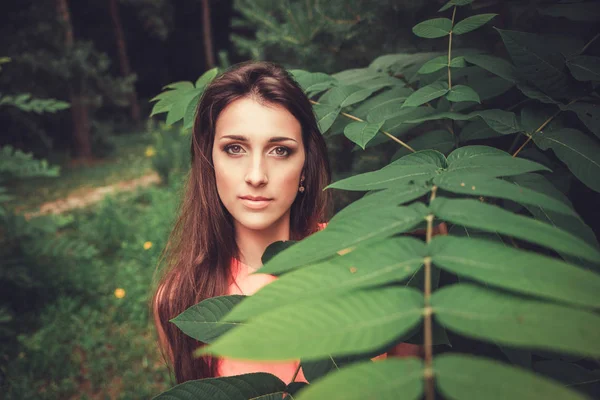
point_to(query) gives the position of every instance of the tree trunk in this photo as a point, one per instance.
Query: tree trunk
(79, 108)
(207, 33)
(123, 58)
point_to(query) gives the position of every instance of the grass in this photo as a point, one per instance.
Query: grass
(128, 161)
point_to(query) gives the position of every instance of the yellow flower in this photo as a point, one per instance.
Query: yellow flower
(119, 293)
(147, 245)
(150, 152)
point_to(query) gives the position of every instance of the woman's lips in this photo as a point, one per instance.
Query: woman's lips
(255, 204)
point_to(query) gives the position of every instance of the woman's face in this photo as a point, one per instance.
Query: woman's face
(257, 152)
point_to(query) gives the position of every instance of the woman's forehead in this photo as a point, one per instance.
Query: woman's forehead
(255, 121)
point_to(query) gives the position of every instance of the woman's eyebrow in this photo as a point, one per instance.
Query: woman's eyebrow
(274, 139)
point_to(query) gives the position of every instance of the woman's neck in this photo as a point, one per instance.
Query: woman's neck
(253, 243)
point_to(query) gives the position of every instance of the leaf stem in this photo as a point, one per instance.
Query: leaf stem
(395, 139)
(450, 50)
(588, 43)
(542, 126)
(428, 331)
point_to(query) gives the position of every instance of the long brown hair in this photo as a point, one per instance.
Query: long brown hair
(202, 244)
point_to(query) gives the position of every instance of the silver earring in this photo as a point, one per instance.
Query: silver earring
(301, 188)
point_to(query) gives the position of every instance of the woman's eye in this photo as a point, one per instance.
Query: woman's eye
(282, 151)
(235, 149)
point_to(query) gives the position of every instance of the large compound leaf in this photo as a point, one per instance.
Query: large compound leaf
(427, 93)
(203, 320)
(441, 62)
(475, 214)
(387, 379)
(579, 152)
(471, 23)
(453, 3)
(356, 322)
(585, 68)
(423, 157)
(515, 321)
(583, 11)
(346, 232)
(478, 185)
(523, 271)
(433, 28)
(538, 61)
(389, 260)
(385, 178)
(462, 376)
(315, 82)
(259, 386)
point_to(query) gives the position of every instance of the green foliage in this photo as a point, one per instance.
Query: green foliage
(25, 102)
(524, 266)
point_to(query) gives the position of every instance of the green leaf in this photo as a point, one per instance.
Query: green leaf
(474, 184)
(462, 376)
(471, 23)
(361, 132)
(389, 260)
(585, 68)
(356, 322)
(385, 111)
(258, 385)
(190, 112)
(315, 82)
(580, 153)
(203, 320)
(423, 157)
(434, 65)
(433, 28)
(426, 93)
(453, 3)
(395, 196)
(522, 271)
(462, 93)
(326, 115)
(475, 214)
(206, 78)
(386, 178)
(477, 130)
(441, 62)
(179, 107)
(535, 94)
(489, 161)
(183, 85)
(538, 61)
(589, 114)
(515, 321)
(344, 233)
(394, 95)
(343, 96)
(501, 121)
(584, 11)
(383, 380)
(439, 139)
(569, 374)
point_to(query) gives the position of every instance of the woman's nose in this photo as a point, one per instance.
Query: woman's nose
(257, 174)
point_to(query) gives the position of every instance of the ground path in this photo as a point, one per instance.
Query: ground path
(92, 196)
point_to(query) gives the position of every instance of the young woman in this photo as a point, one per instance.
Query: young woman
(258, 167)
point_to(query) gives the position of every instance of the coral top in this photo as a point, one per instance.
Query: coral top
(246, 283)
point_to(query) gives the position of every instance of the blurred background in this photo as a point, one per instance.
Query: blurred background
(89, 182)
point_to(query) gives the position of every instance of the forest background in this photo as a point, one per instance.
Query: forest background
(76, 89)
